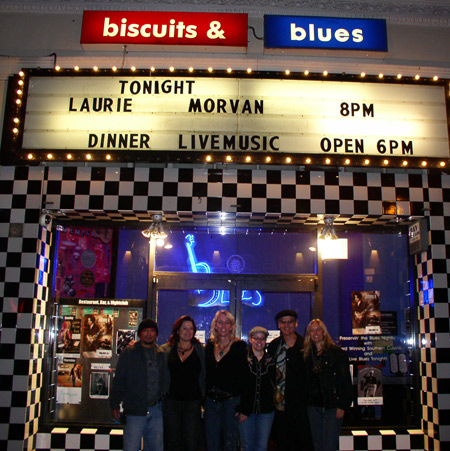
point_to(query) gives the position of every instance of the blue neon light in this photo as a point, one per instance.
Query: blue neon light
(217, 296)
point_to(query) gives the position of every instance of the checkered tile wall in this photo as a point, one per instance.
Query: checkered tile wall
(250, 197)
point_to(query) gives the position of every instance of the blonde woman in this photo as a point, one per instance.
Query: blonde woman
(329, 385)
(226, 359)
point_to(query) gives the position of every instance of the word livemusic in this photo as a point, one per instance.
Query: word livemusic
(228, 142)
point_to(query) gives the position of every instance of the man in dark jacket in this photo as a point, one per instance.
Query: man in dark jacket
(139, 385)
(290, 428)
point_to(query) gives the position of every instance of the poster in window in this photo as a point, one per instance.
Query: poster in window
(99, 385)
(69, 382)
(69, 337)
(97, 336)
(84, 258)
(370, 387)
(124, 338)
(366, 315)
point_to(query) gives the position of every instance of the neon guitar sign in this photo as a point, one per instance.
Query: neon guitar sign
(216, 297)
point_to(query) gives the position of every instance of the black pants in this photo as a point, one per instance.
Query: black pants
(291, 430)
(182, 425)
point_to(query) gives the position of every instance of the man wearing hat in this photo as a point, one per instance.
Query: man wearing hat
(139, 385)
(290, 427)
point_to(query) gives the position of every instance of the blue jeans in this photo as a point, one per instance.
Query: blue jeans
(325, 428)
(149, 427)
(221, 424)
(182, 424)
(255, 431)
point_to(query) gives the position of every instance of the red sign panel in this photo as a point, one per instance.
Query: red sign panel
(164, 28)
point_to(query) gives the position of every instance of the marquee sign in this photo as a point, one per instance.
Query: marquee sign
(145, 28)
(143, 116)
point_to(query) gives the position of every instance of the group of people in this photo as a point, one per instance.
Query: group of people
(294, 389)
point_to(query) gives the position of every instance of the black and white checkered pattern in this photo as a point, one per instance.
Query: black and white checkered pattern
(272, 198)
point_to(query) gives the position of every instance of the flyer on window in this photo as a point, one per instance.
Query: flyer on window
(366, 315)
(69, 382)
(370, 387)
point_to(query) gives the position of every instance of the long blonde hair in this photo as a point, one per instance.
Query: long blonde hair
(213, 336)
(308, 344)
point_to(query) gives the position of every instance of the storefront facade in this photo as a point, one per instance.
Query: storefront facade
(35, 198)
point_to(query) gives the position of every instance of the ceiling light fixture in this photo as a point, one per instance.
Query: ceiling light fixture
(155, 230)
(328, 232)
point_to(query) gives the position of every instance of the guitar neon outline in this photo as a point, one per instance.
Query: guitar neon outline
(203, 267)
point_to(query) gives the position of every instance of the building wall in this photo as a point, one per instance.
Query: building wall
(121, 194)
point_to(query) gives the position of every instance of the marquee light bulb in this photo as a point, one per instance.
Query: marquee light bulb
(208, 158)
(268, 159)
(171, 68)
(228, 158)
(327, 161)
(325, 73)
(50, 156)
(287, 72)
(22, 73)
(308, 160)
(442, 164)
(229, 70)
(69, 156)
(133, 68)
(363, 74)
(30, 156)
(288, 160)
(88, 156)
(435, 78)
(249, 70)
(306, 72)
(366, 162)
(210, 69)
(347, 161)
(248, 159)
(404, 163)
(95, 68)
(385, 162)
(191, 69)
(380, 75)
(424, 163)
(76, 68)
(399, 76)
(417, 77)
(114, 68)
(108, 157)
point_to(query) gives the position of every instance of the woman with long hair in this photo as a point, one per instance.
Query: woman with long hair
(185, 357)
(329, 385)
(226, 359)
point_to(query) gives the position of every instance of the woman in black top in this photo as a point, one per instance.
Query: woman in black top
(257, 410)
(226, 358)
(185, 359)
(329, 385)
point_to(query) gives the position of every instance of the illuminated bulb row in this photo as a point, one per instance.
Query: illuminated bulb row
(347, 161)
(249, 70)
(69, 156)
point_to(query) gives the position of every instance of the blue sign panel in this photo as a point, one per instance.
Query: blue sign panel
(293, 32)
